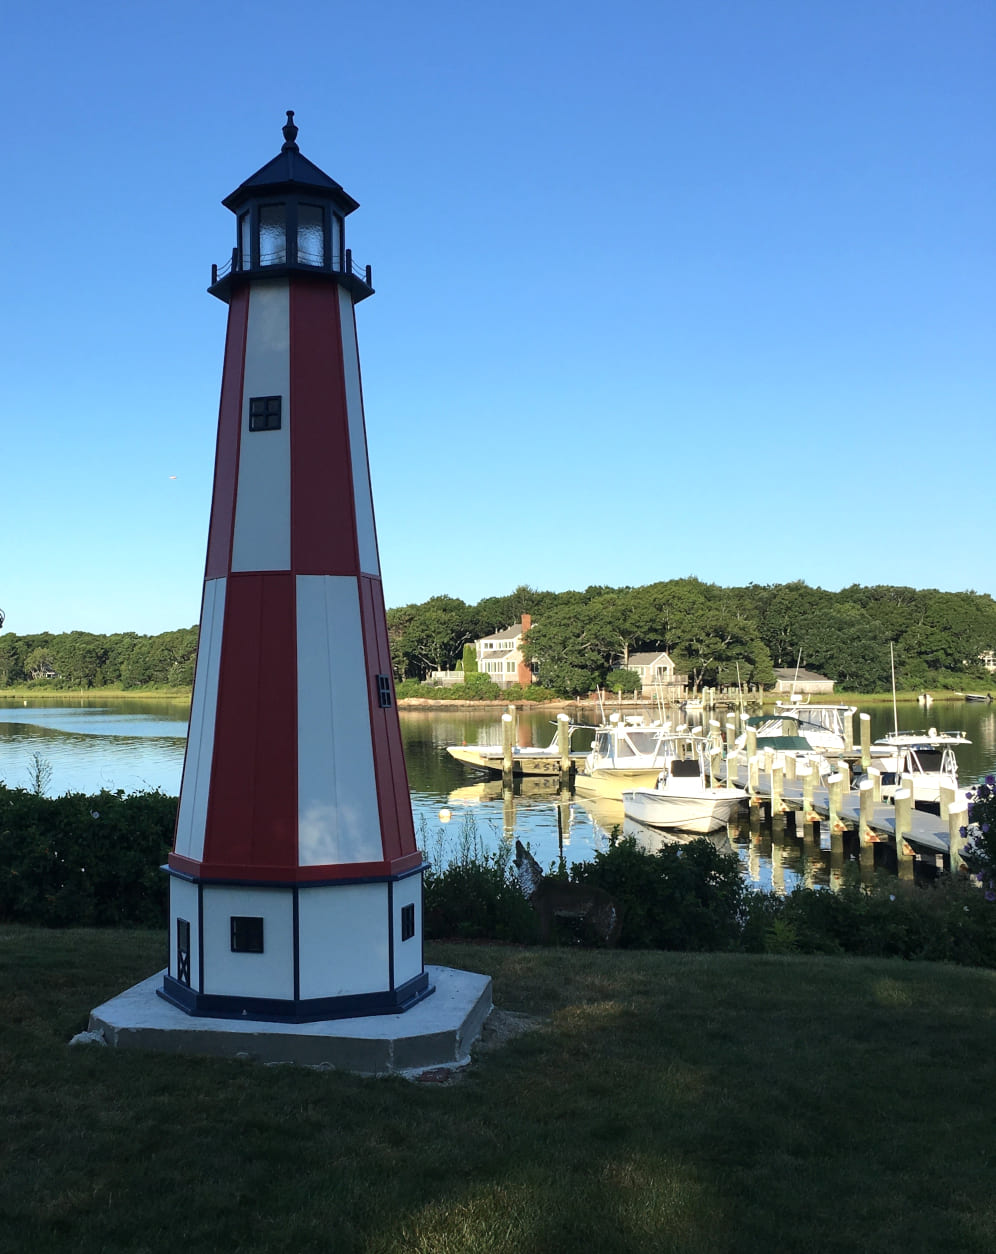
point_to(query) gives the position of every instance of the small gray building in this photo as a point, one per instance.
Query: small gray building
(788, 679)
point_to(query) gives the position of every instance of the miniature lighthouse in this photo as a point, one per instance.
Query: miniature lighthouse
(295, 880)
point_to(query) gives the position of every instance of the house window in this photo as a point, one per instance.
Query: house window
(247, 935)
(407, 922)
(384, 691)
(183, 951)
(264, 413)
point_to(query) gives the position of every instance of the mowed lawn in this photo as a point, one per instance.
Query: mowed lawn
(665, 1102)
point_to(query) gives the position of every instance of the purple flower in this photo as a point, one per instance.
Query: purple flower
(991, 780)
(990, 895)
(984, 828)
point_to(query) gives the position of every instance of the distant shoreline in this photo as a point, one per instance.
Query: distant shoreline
(427, 703)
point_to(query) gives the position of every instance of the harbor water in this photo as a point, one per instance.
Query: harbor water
(87, 744)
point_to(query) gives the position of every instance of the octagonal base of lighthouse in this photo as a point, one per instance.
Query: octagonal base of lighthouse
(437, 1032)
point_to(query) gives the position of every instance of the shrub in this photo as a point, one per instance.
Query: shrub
(980, 850)
(623, 681)
(531, 692)
(942, 922)
(687, 896)
(82, 860)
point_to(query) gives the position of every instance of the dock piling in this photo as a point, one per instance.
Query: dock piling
(507, 740)
(904, 822)
(835, 790)
(564, 748)
(866, 797)
(957, 820)
(864, 728)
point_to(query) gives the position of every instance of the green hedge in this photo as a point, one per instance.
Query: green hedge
(84, 860)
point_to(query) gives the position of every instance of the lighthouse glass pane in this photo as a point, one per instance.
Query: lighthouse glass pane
(336, 242)
(272, 235)
(245, 243)
(310, 235)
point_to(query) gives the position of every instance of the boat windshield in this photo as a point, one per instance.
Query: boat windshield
(643, 741)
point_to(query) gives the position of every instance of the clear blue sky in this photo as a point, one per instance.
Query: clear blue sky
(662, 288)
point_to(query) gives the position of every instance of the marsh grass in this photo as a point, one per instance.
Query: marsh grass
(669, 1102)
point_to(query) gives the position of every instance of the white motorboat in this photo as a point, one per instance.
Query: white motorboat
(821, 725)
(925, 768)
(682, 799)
(627, 752)
(525, 761)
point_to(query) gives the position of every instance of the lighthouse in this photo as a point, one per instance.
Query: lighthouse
(295, 879)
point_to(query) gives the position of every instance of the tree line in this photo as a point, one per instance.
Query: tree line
(82, 659)
(716, 636)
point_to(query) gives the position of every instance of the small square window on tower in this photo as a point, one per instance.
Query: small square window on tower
(407, 922)
(384, 690)
(247, 935)
(264, 413)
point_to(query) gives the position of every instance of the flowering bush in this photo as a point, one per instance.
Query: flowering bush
(980, 850)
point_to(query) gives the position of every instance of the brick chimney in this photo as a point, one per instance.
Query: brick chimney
(524, 672)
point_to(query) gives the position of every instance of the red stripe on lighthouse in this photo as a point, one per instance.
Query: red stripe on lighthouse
(226, 464)
(393, 797)
(323, 515)
(252, 812)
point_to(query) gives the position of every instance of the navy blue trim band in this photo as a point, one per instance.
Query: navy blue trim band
(310, 1010)
(342, 879)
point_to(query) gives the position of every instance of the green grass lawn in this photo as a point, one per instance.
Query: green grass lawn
(667, 1102)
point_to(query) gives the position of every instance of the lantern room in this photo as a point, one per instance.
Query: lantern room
(290, 219)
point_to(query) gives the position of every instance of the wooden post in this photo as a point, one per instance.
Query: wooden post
(507, 740)
(904, 821)
(957, 819)
(777, 777)
(848, 733)
(845, 771)
(866, 796)
(752, 779)
(751, 744)
(805, 772)
(732, 768)
(791, 766)
(731, 736)
(875, 775)
(715, 761)
(564, 748)
(835, 789)
(864, 727)
(948, 797)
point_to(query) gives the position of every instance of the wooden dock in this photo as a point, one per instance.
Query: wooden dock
(923, 834)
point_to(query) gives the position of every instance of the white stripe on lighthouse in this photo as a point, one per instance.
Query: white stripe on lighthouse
(262, 511)
(366, 535)
(192, 816)
(338, 813)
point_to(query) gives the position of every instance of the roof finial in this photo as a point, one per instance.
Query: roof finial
(290, 134)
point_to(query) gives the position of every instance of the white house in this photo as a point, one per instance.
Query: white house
(657, 674)
(500, 656)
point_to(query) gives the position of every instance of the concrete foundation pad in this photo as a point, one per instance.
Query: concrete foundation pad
(437, 1032)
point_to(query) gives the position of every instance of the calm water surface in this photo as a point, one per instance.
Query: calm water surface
(139, 744)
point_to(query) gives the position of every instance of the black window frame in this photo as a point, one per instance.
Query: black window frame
(246, 933)
(265, 413)
(384, 692)
(408, 921)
